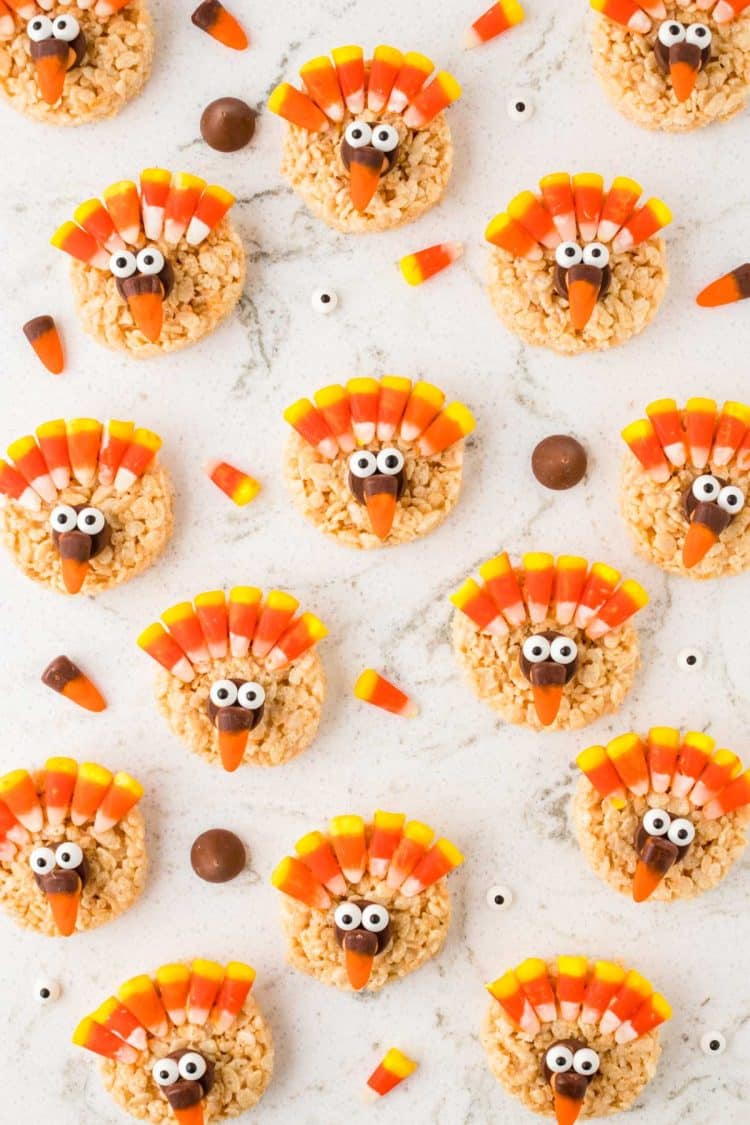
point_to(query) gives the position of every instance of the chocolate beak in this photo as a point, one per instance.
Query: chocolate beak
(53, 59)
(381, 497)
(684, 64)
(234, 725)
(74, 548)
(584, 286)
(145, 296)
(569, 1089)
(707, 523)
(360, 947)
(63, 893)
(365, 169)
(657, 856)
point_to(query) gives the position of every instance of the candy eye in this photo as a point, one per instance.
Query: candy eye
(63, 518)
(324, 301)
(705, 487)
(251, 696)
(42, 861)
(223, 693)
(123, 264)
(585, 1061)
(520, 109)
(385, 138)
(47, 990)
(165, 1072)
(150, 261)
(656, 822)
(681, 832)
(536, 649)
(559, 1059)
(499, 898)
(689, 659)
(595, 254)
(699, 35)
(713, 1043)
(348, 916)
(363, 464)
(66, 28)
(375, 919)
(731, 499)
(91, 521)
(568, 254)
(192, 1066)
(671, 33)
(69, 856)
(358, 134)
(39, 29)
(390, 462)
(563, 650)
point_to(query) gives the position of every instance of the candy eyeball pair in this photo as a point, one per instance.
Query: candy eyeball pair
(672, 32)
(149, 261)
(363, 463)
(706, 488)
(372, 918)
(191, 1068)
(537, 649)
(570, 254)
(67, 857)
(560, 1059)
(383, 137)
(250, 695)
(65, 518)
(41, 28)
(658, 822)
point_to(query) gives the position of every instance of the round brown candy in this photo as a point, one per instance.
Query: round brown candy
(228, 124)
(559, 462)
(218, 856)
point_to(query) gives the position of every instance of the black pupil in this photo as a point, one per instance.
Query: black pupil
(42, 862)
(383, 136)
(391, 462)
(191, 1068)
(164, 1074)
(250, 696)
(520, 106)
(682, 833)
(325, 298)
(732, 499)
(223, 694)
(565, 651)
(692, 659)
(65, 857)
(561, 1061)
(595, 253)
(148, 260)
(570, 251)
(537, 650)
(499, 900)
(675, 29)
(586, 1066)
(374, 919)
(700, 32)
(45, 994)
(363, 463)
(658, 823)
(714, 1044)
(122, 262)
(356, 133)
(347, 919)
(90, 519)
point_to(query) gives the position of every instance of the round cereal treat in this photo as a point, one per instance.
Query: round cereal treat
(188, 1044)
(685, 480)
(573, 1039)
(664, 816)
(240, 677)
(68, 62)
(72, 846)
(378, 462)
(156, 267)
(673, 66)
(368, 146)
(548, 644)
(87, 505)
(577, 268)
(366, 904)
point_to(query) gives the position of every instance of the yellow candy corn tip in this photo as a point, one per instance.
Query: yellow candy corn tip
(84, 210)
(245, 491)
(624, 183)
(80, 1036)
(513, 11)
(238, 970)
(347, 825)
(701, 405)
(120, 429)
(463, 595)
(554, 179)
(82, 425)
(607, 970)
(461, 414)
(389, 55)
(700, 740)
(451, 852)
(278, 97)
(347, 54)
(520, 204)
(418, 832)
(171, 974)
(211, 969)
(20, 447)
(247, 595)
(635, 591)
(398, 1063)
(420, 62)
(308, 843)
(538, 560)
(148, 439)
(661, 1006)
(496, 224)
(315, 627)
(530, 969)
(91, 771)
(572, 966)
(177, 613)
(12, 779)
(607, 573)
(661, 406)
(410, 270)
(668, 736)
(591, 757)
(588, 179)
(280, 872)
(61, 765)
(279, 599)
(659, 208)
(449, 85)
(638, 429)
(388, 820)
(150, 634)
(130, 784)
(396, 383)
(329, 396)
(622, 744)
(496, 567)
(210, 598)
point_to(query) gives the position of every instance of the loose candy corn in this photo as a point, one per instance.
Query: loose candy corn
(374, 688)
(424, 264)
(213, 18)
(733, 286)
(499, 18)
(391, 1072)
(234, 483)
(44, 337)
(65, 677)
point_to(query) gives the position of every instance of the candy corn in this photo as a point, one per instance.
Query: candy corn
(619, 608)
(59, 783)
(123, 795)
(439, 861)
(212, 17)
(735, 796)
(661, 755)
(602, 774)
(651, 1014)
(625, 12)
(432, 99)
(211, 609)
(184, 625)
(409, 81)
(603, 984)
(509, 994)
(174, 984)
(163, 648)
(539, 579)
(43, 335)
(141, 998)
(333, 404)
(394, 395)
(65, 677)
(275, 616)
(92, 783)
(205, 981)
(424, 264)
(390, 1073)
(695, 754)
(350, 71)
(600, 585)
(726, 10)
(300, 636)
(387, 831)
(312, 427)
(80, 245)
(320, 80)
(234, 483)
(116, 1018)
(570, 578)
(116, 438)
(296, 108)
(572, 973)
(618, 206)
(238, 980)
(155, 183)
(723, 768)
(498, 18)
(28, 460)
(374, 688)
(627, 754)
(95, 1037)
(15, 487)
(348, 842)
(643, 441)
(644, 223)
(53, 442)
(526, 209)
(410, 849)
(588, 194)
(136, 459)
(384, 70)
(502, 585)
(94, 217)
(477, 604)
(511, 236)
(534, 980)
(294, 878)
(124, 207)
(667, 422)
(19, 793)
(733, 286)
(731, 428)
(316, 852)
(700, 420)
(211, 209)
(84, 440)
(243, 609)
(557, 196)
(182, 201)
(632, 995)
(425, 403)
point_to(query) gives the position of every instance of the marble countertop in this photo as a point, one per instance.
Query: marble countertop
(500, 792)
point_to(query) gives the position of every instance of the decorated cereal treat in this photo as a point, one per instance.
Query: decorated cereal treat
(378, 462)
(674, 65)
(67, 62)
(72, 846)
(572, 1038)
(664, 816)
(684, 486)
(87, 504)
(156, 266)
(549, 644)
(369, 147)
(576, 267)
(367, 903)
(187, 1044)
(240, 677)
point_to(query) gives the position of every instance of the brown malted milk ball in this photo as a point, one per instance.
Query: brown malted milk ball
(218, 856)
(559, 462)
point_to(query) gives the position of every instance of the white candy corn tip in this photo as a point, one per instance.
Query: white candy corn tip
(471, 39)
(197, 231)
(639, 21)
(723, 12)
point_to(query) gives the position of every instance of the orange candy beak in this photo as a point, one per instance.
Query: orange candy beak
(547, 700)
(74, 573)
(582, 295)
(50, 73)
(381, 508)
(193, 1115)
(148, 313)
(358, 967)
(64, 909)
(698, 542)
(645, 881)
(232, 745)
(364, 183)
(567, 1110)
(683, 77)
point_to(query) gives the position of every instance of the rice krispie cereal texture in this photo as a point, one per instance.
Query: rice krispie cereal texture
(321, 492)
(243, 1057)
(607, 835)
(522, 294)
(119, 53)
(312, 164)
(117, 873)
(626, 66)
(141, 521)
(420, 927)
(294, 702)
(606, 669)
(208, 282)
(656, 519)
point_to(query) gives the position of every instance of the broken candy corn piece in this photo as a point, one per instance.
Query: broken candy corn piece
(373, 688)
(733, 286)
(65, 677)
(498, 18)
(390, 1073)
(238, 486)
(42, 334)
(424, 264)
(213, 18)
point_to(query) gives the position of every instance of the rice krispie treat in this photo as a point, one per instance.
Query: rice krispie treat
(240, 678)
(87, 505)
(570, 1038)
(663, 816)
(367, 903)
(67, 62)
(378, 462)
(156, 267)
(188, 1045)
(548, 644)
(575, 268)
(684, 484)
(72, 846)
(368, 147)
(674, 66)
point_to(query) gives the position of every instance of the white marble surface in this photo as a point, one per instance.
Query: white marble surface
(500, 792)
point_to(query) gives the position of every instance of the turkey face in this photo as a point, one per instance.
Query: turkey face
(660, 842)
(363, 930)
(710, 504)
(569, 1065)
(549, 661)
(79, 532)
(145, 281)
(55, 46)
(235, 707)
(681, 52)
(582, 276)
(185, 1078)
(61, 876)
(368, 152)
(378, 481)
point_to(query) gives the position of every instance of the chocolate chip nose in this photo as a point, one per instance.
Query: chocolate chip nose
(547, 673)
(659, 853)
(184, 1093)
(360, 941)
(75, 545)
(59, 882)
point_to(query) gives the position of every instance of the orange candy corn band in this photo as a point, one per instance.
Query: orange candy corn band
(696, 434)
(65, 677)
(394, 1068)
(418, 267)
(44, 337)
